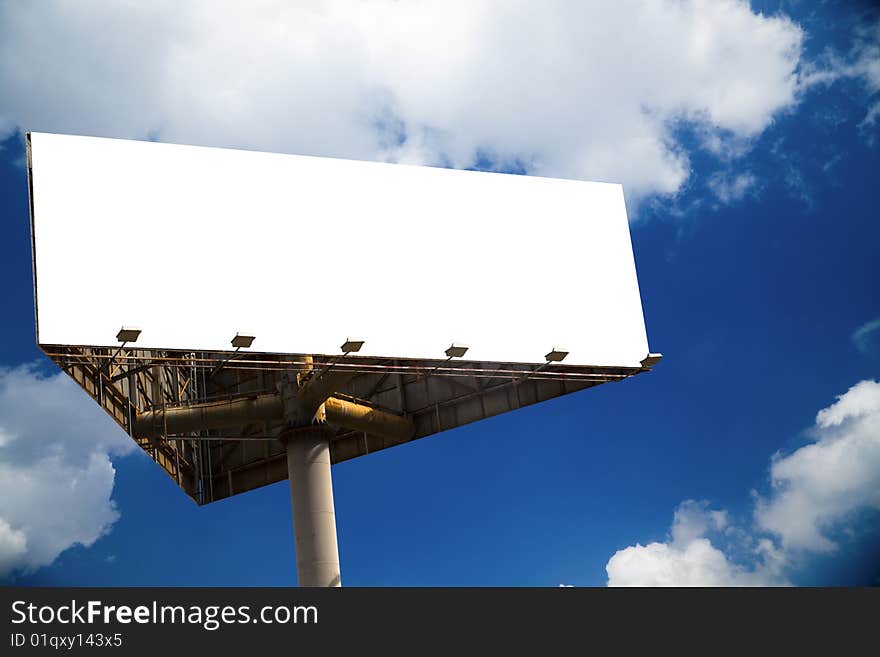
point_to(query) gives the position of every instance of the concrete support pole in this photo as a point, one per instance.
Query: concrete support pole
(314, 518)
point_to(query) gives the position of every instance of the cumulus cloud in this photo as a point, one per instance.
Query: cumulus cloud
(689, 557)
(820, 485)
(591, 90)
(816, 491)
(56, 476)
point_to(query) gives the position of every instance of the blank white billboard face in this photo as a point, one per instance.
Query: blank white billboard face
(192, 245)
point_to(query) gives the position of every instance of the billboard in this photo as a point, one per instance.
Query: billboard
(460, 284)
(192, 245)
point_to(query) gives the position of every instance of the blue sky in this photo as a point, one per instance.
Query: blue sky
(756, 234)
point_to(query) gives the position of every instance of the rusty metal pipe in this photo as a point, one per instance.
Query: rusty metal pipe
(209, 415)
(359, 417)
(268, 408)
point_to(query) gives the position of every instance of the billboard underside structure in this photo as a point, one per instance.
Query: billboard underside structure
(195, 245)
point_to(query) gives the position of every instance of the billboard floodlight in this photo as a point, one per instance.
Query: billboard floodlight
(456, 351)
(242, 341)
(651, 359)
(351, 346)
(239, 342)
(128, 334)
(125, 335)
(348, 347)
(556, 355)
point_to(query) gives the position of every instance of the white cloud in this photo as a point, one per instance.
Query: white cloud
(13, 545)
(730, 187)
(693, 520)
(867, 337)
(689, 558)
(822, 484)
(698, 563)
(56, 477)
(815, 491)
(865, 57)
(575, 89)
(861, 63)
(870, 119)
